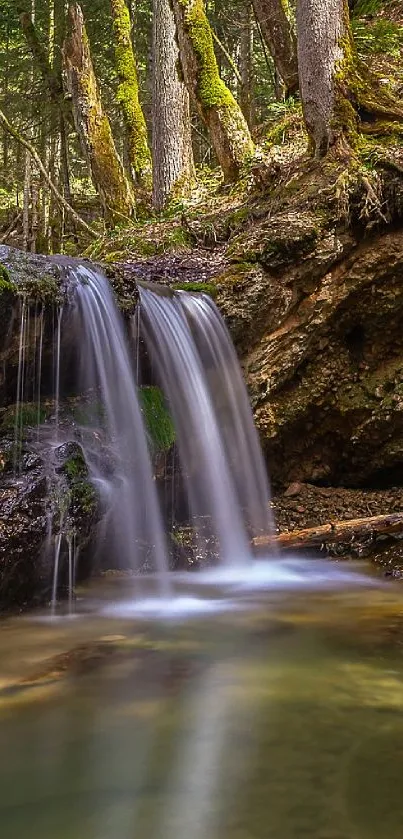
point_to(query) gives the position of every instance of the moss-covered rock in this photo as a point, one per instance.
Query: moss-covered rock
(157, 418)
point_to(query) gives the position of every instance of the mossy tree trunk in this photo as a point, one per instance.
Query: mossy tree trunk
(128, 96)
(92, 123)
(280, 38)
(226, 124)
(340, 95)
(172, 137)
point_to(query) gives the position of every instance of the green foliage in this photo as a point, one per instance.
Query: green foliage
(157, 418)
(382, 36)
(365, 8)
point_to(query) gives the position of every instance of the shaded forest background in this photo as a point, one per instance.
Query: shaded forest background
(33, 218)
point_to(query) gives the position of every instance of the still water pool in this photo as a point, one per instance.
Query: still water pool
(279, 717)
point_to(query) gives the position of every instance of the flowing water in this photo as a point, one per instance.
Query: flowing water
(262, 702)
(279, 718)
(220, 455)
(133, 518)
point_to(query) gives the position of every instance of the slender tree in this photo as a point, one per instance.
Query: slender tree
(128, 96)
(278, 33)
(215, 103)
(339, 93)
(172, 137)
(245, 64)
(92, 123)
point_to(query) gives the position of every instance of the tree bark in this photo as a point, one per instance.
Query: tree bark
(172, 137)
(245, 64)
(92, 123)
(128, 96)
(215, 103)
(280, 38)
(337, 89)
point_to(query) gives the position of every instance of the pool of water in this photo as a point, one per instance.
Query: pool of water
(271, 714)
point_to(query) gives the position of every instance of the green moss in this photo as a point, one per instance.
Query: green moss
(236, 274)
(201, 288)
(83, 497)
(75, 467)
(44, 289)
(107, 171)
(358, 89)
(128, 96)
(6, 284)
(157, 418)
(211, 92)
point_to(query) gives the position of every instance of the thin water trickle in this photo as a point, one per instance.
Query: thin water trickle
(57, 369)
(58, 545)
(133, 527)
(39, 369)
(201, 378)
(71, 562)
(20, 385)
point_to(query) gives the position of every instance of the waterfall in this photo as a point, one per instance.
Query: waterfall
(220, 454)
(133, 522)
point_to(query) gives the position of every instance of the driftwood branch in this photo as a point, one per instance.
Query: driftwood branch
(59, 197)
(348, 532)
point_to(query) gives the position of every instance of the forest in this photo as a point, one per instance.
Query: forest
(201, 419)
(112, 114)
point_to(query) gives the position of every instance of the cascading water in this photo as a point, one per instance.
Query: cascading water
(220, 454)
(232, 407)
(216, 440)
(133, 522)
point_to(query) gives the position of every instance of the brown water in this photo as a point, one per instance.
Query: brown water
(280, 721)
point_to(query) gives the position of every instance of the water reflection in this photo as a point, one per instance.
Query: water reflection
(279, 721)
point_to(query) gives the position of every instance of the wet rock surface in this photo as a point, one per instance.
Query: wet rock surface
(44, 491)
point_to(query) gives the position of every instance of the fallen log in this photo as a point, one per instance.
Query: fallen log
(349, 532)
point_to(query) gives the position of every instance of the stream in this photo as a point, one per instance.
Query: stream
(276, 717)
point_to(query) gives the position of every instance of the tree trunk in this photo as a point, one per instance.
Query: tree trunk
(245, 65)
(350, 533)
(53, 80)
(92, 124)
(216, 105)
(128, 96)
(172, 138)
(337, 89)
(279, 36)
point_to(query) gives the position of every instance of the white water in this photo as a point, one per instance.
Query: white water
(133, 522)
(232, 407)
(220, 454)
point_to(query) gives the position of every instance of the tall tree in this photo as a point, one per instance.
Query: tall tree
(339, 93)
(92, 123)
(245, 64)
(215, 103)
(278, 33)
(128, 96)
(172, 136)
